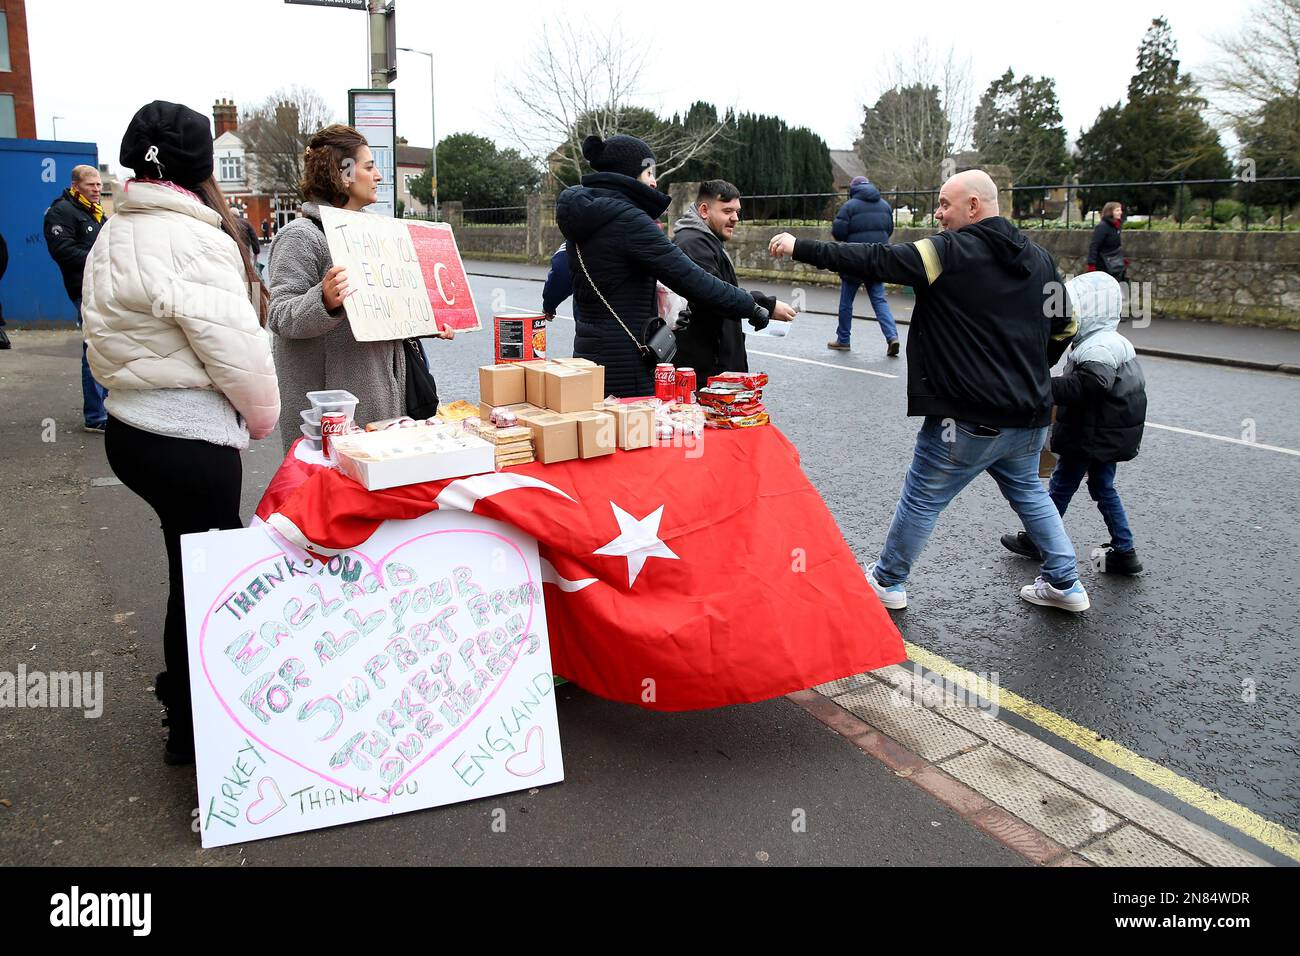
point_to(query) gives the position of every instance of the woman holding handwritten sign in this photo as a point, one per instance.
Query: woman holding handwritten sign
(314, 347)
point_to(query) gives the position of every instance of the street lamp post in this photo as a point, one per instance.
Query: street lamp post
(55, 121)
(433, 118)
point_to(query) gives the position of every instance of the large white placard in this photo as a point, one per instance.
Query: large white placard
(411, 672)
(389, 298)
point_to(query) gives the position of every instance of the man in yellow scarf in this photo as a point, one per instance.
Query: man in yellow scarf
(72, 223)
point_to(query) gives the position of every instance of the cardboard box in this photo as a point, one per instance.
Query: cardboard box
(360, 456)
(501, 385)
(568, 389)
(597, 433)
(485, 410)
(535, 381)
(635, 425)
(597, 376)
(555, 437)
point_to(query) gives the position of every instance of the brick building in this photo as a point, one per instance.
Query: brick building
(17, 106)
(237, 168)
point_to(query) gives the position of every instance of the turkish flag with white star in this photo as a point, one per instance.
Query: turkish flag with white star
(675, 578)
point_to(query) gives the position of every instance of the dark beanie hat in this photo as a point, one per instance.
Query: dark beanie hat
(618, 154)
(169, 141)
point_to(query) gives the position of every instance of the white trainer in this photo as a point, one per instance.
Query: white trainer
(1074, 598)
(893, 597)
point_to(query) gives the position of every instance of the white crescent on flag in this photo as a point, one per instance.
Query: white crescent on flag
(551, 576)
(463, 494)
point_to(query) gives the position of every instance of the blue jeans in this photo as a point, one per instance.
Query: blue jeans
(879, 304)
(92, 393)
(1065, 481)
(948, 456)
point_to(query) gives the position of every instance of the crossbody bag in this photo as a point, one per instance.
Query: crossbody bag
(657, 343)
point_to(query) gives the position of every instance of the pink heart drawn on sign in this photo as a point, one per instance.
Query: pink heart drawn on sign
(252, 815)
(331, 775)
(518, 764)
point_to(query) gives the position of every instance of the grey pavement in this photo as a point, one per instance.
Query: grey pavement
(1269, 348)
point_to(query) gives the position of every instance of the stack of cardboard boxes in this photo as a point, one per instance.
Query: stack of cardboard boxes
(563, 403)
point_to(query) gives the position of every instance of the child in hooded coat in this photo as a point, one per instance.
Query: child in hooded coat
(1101, 410)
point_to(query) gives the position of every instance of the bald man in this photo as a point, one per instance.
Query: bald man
(991, 319)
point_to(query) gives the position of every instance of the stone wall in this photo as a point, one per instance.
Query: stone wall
(1224, 276)
(1232, 277)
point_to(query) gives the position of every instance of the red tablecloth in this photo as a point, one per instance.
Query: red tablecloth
(675, 578)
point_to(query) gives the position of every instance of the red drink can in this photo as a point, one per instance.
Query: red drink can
(665, 382)
(686, 386)
(331, 423)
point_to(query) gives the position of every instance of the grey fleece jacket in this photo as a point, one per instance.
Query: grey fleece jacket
(313, 347)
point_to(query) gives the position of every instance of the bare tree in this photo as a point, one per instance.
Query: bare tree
(1261, 64)
(276, 133)
(924, 114)
(577, 82)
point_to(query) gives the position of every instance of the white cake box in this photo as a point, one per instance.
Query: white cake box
(409, 456)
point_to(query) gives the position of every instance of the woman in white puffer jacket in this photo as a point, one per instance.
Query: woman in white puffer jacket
(174, 319)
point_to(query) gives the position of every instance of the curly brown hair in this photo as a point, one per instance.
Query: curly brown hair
(322, 166)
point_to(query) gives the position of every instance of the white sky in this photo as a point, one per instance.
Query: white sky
(814, 63)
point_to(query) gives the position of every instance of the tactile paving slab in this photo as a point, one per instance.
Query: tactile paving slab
(922, 732)
(1032, 796)
(1129, 846)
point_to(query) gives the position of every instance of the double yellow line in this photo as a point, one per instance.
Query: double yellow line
(1270, 834)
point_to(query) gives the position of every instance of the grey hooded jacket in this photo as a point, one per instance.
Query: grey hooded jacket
(1101, 397)
(314, 348)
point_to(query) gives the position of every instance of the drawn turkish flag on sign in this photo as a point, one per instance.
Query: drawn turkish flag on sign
(444, 275)
(674, 580)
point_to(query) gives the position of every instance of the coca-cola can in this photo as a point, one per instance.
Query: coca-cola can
(665, 382)
(331, 424)
(685, 386)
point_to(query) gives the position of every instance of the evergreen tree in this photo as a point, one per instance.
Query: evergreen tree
(1018, 124)
(473, 171)
(1160, 133)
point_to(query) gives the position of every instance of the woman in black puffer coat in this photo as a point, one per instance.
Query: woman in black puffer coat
(1106, 243)
(610, 221)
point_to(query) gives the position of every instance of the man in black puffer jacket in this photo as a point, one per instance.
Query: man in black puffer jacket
(616, 252)
(713, 343)
(991, 319)
(72, 225)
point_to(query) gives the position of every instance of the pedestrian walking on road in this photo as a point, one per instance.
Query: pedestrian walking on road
(864, 218)
(1102, 406)
(712, 342)
(174, 317)
(617, 251)
(72, 224)
(987, 329)
(313, 343)
(4, 265)
(1105, 252)
(558, 285)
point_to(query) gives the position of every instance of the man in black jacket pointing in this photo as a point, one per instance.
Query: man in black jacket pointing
(991, 319)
